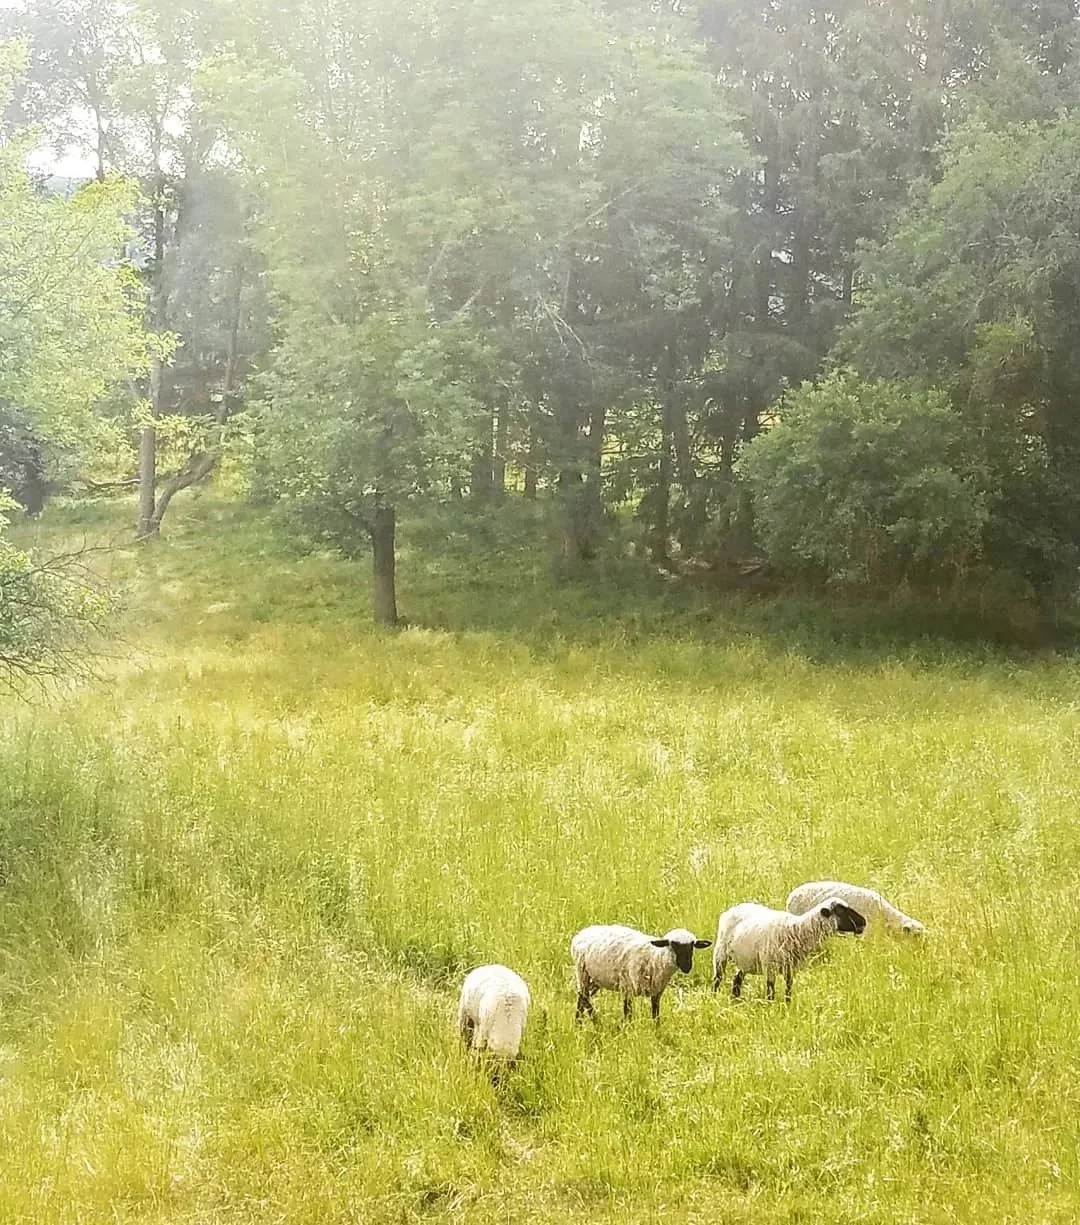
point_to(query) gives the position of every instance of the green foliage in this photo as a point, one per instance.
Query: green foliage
(364, 414)
(68, 331)
(867, 482)
(51, 609)
(542, 196)
(976, 292)
(23, 461)
(69, 321)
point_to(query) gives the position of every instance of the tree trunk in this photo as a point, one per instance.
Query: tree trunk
(147, 480)
(571, 514)
(532, 457)
(502, 440)
(571, 496)
(743, 527)
(593, 502)
(681, 443)
(382, 555)
(480, 481)
(201, 463)
(763, 263)
(579, 486)
(926, 118)
(806, 215)
(159, 307)
(661, 527)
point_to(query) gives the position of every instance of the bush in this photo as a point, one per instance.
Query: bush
(867, 482)
(49, 609)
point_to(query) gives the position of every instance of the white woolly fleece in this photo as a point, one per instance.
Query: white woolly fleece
(493, 1009)
(868, 902)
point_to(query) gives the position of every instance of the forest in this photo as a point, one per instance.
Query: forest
(771, 289)
(471, 471)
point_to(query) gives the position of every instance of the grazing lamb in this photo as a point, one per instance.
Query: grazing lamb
(492, 1011)
(614, 958)
(764, 941)
(868, 902)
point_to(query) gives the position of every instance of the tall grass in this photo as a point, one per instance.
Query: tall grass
(243, 872)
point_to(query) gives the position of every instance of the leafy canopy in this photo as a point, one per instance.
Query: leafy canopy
(69, 330)
(69, 322)
(867, 481)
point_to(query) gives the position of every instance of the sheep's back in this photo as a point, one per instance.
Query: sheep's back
(873, 906)
(494, 983)
(805, 897)
(617, 958)
(759, 939)
(503, 1012)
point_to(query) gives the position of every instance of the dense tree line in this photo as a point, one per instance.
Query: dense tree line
(769, 279)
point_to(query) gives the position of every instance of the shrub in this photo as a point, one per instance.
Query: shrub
(867, 482)
(49, 608)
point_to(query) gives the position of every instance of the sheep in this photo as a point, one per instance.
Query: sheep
(492, 1011)
(868, 902)
(614, 958)
(761, 940)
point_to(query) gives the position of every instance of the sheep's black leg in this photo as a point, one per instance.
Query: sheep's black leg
(468, 1027)
(787, 985)
(770, 987)
(736, 984)
(627, 1007)
(656, 1008)
(718, 974)
(584, 1005)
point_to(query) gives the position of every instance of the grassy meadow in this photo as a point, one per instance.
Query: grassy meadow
(244, 868)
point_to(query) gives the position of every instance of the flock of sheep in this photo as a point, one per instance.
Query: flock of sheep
(494, 1002)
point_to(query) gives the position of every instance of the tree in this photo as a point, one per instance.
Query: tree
(868, 482)
(23, 461)
(69, 327)
(843, 107)
(517, 202)
(976, 293)
(118, 80)
(49, 609)
(219, 316)
(69, 330)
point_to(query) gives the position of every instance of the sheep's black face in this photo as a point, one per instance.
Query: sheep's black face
(684, 956)
(683, 950)
(848, 921)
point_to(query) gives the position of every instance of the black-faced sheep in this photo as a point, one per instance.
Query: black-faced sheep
(614, 958)
(868, 902)
(761, 940)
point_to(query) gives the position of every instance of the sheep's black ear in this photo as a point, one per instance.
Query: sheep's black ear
(702, 944)
(662, 943)
(826, 913)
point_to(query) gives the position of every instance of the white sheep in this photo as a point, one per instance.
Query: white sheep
(492, 1011)
(761, 940)
(613, 958)
(868, 902)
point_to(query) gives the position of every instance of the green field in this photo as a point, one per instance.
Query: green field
(244, 868)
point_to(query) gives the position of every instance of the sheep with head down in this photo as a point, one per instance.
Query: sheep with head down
(610, 957)
(760, 940)
(868, 902)
(492, 1011)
